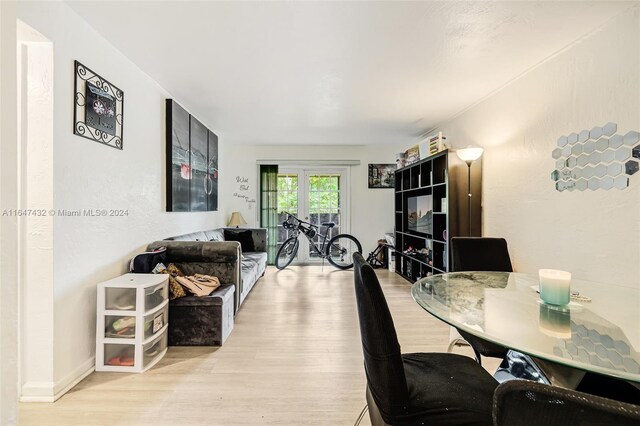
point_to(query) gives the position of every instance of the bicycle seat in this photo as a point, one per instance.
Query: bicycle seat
(328, 224)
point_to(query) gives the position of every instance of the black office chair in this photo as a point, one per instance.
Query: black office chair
(524, 403)
(480, 254)
(418, 388)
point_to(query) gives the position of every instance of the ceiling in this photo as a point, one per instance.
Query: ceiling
(337, 72)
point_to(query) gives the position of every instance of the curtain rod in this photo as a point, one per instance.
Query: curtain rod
(311, 162)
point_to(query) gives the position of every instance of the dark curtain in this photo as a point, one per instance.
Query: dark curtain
(269, 207)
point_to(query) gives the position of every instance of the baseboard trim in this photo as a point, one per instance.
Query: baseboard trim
(37, 392)
(50, 391)
(76, 376)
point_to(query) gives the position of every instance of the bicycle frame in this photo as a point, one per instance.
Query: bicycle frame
(302, 227)
(338, 248)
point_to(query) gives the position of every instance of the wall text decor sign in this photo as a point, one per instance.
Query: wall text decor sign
(98, 108)
(596, 159)
(243, 190)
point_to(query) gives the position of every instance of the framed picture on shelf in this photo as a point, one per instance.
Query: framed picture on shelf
(413, 155)
(382, 175)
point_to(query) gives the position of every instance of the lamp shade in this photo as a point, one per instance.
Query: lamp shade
(469, 153)
(236, 220)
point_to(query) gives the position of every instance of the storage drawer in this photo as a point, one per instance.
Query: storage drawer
(132, 320)
(120, 299)
(119, 355)
(153, 296)
(153, 349)
(120, 326)
(154, 322)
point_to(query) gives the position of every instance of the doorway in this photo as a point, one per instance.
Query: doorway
(315, 195)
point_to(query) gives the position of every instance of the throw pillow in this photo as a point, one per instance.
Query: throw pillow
(243, 237)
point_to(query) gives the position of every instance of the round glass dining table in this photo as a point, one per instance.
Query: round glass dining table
(599, 332)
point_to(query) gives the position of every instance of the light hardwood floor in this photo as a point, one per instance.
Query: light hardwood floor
(293, 358)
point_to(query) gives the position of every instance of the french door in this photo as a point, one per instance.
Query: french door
(316, 196)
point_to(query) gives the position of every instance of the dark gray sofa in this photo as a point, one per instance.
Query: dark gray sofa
(206, 252)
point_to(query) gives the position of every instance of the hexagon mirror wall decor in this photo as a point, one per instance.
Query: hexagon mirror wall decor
(596, 159)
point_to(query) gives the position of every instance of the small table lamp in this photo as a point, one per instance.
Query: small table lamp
(236, 220)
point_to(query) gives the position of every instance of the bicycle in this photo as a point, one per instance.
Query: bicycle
(337, 250)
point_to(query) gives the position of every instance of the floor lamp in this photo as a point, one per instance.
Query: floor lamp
(469, 155)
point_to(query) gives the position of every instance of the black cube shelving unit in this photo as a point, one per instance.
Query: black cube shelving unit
(444, 176)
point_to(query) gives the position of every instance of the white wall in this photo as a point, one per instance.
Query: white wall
(88, 175)
(372, 213)
(593, 234)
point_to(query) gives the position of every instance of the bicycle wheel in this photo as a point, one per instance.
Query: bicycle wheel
(287, 252)
(340, 250)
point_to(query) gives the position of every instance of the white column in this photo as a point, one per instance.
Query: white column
(8, 225)
(35, 181)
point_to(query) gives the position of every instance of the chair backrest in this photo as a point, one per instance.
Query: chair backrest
(480, 254)
(521, 402)
(382, 357)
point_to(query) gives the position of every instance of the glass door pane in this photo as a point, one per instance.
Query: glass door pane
(287, 202)
(324, 205)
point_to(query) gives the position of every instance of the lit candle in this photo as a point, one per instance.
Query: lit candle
(555, 286)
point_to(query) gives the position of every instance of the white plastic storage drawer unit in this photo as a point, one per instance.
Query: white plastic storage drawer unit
(132, 322)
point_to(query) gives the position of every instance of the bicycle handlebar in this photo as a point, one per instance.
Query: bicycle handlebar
(289, 215)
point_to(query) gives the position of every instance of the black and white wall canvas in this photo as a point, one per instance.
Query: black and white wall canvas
(382, 175)
(192, 162)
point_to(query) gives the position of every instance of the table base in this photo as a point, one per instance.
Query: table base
(517, 365)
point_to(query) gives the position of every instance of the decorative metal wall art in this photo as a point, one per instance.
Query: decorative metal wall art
(191, 162)
(596, 159)
(98, 108)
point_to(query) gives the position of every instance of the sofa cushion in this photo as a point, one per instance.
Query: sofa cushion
(215, 235)
(194, 236)
(249, 274)
(243, 237)
(254, 265)
(258, 257)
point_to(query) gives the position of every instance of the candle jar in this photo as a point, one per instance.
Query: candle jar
(555, 286)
